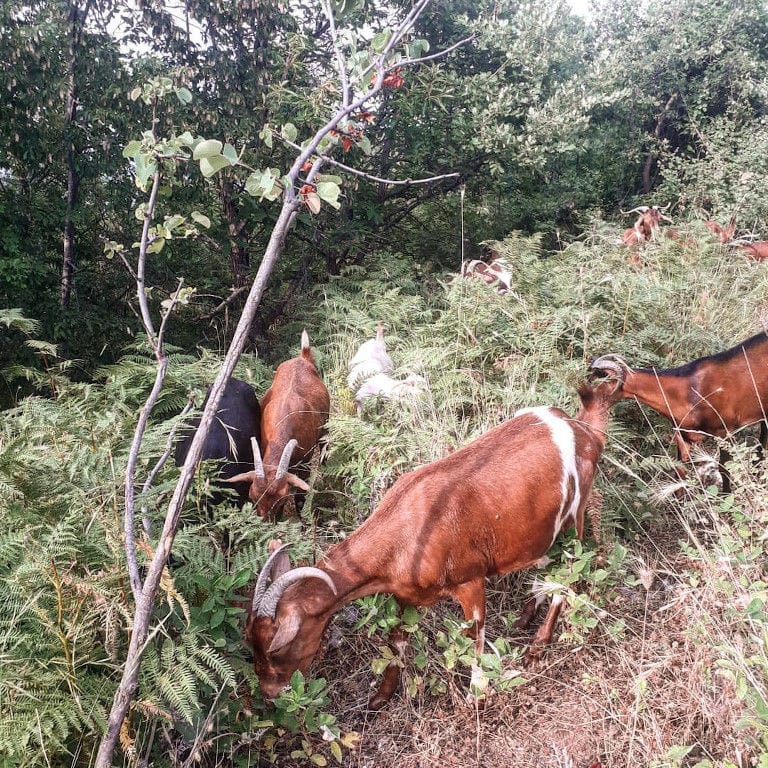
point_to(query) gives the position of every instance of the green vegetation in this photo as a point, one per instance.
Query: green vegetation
(166, 174)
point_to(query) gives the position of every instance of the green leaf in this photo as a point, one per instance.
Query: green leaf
(187, 139)
(201, 219)
(313, 202)
(380, 40)
(336, 752)
(184, 95)
(156, 245)
(364, 144)
(230, 153)
(145, 168)
(289, 132)
(207, 148)
(213, 164)
(131, 148)
(266, 135)
(329, 191)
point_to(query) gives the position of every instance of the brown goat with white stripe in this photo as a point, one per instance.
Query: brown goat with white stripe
(293, 413)
(492, 507)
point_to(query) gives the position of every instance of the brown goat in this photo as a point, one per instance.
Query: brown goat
(757, 251)
(492, 507)
(711, 396)
(293, 413)
(645, 226)
(723, 234)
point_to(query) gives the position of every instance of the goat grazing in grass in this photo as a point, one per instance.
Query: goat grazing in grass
(645, 226)
(387, 388)
(711, 396)
(229, 439)
(492, 507)
(370, 359)
(496, 272)
(293, 413)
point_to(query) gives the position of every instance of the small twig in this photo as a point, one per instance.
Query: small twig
(226, 302)
(371, 177)
(167, 314)
(345, 90)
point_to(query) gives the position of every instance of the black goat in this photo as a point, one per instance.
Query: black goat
(238, 419)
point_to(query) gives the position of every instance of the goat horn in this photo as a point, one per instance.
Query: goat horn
(612, 364)
(264, 575)
(258, 464)
(268, 605)
(639, 209)
(285, 459)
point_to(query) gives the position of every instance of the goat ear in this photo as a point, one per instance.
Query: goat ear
(287, 629)
(244, 477)
(296, 481)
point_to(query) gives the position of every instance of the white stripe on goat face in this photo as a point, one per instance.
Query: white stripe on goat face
(563, 438)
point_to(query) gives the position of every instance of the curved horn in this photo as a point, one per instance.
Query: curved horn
(639, 209)
(258, 464)
(285, 459)
(268, 606)
(614, 365)
(266, 571)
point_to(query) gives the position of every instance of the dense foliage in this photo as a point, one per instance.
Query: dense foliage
(553, 123)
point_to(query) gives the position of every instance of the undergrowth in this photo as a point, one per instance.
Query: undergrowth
(663, 640)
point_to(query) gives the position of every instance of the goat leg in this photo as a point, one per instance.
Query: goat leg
(391, 678)
(546, 630)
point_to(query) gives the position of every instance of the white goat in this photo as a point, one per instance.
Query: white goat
(370, 359)
(384, 386)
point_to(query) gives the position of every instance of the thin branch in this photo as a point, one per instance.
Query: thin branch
(371, 177)
(167, 314)
(342, 67)
(147, 523)
(146, 315)
(226, 302)
(431, 57)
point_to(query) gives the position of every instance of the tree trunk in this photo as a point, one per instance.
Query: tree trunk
(76, 22)
(238, 249)
(660, 120)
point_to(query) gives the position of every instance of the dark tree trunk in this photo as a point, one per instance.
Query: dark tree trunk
(76, 22)
(238, 246)
(657, 134)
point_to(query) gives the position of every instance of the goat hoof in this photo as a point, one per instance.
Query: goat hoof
(376, 702)
(533, 657)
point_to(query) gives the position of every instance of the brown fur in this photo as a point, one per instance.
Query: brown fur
(711, 396)
(295, 406)
(489, 508)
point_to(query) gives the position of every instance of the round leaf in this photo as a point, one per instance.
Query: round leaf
(207, 148)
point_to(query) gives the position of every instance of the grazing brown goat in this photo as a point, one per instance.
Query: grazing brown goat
(711, 396)
(757, 251)
(492, 507)
(293, 413)
(723, 234)
(645, 226)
